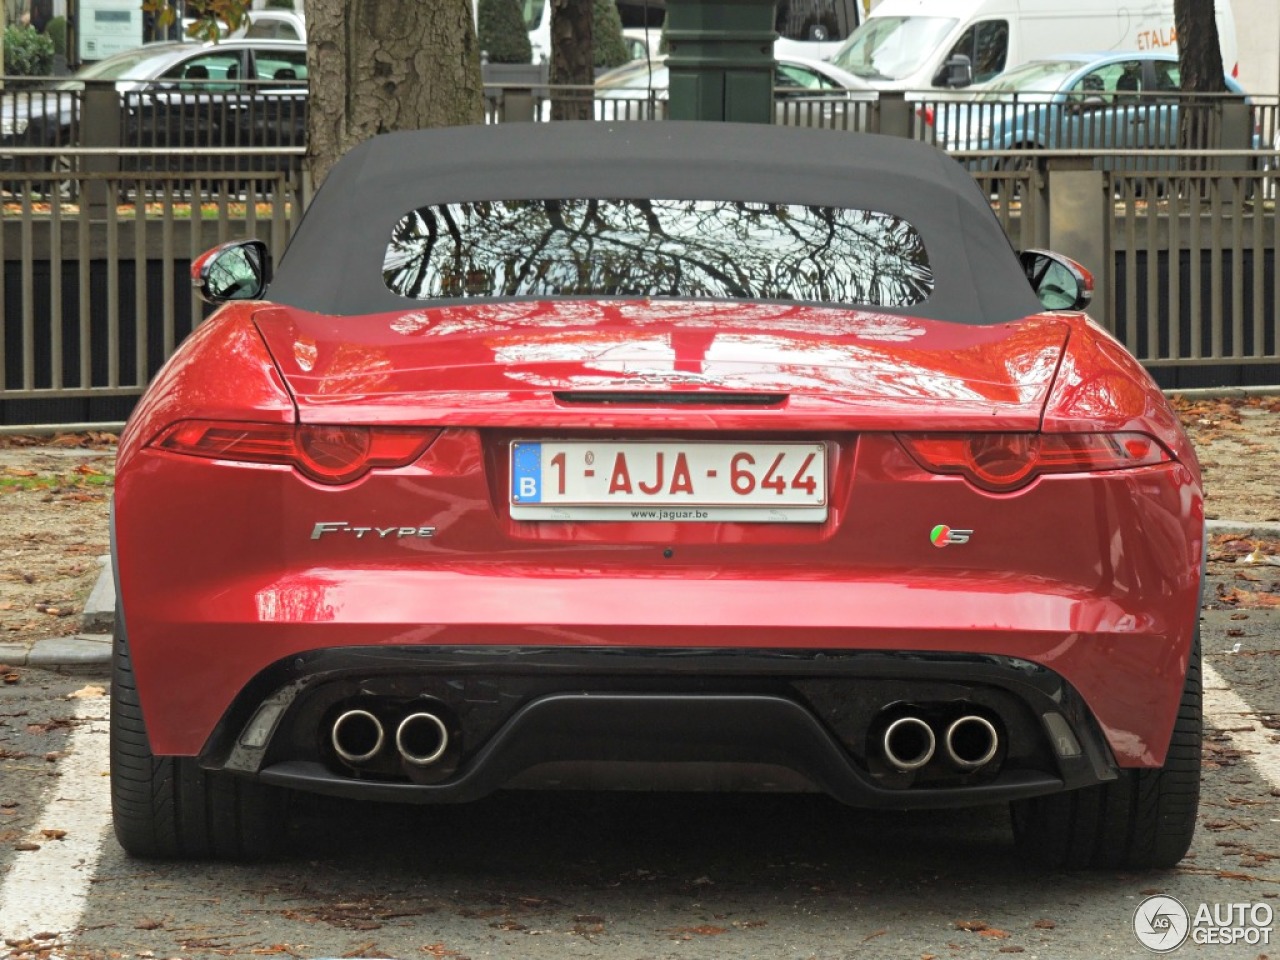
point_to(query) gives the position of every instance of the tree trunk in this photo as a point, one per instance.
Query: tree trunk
(381, 65)
(1200, 66)
(572, 59)
(1199, 53)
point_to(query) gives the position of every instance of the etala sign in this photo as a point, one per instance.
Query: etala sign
(108, 26)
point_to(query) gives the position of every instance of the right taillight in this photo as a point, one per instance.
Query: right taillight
(1002, 462)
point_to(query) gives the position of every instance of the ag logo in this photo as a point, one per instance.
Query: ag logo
(944, 536)
(1161, 924)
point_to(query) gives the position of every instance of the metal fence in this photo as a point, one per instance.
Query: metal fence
(96, 245)
(96, 286)
(1192, 263)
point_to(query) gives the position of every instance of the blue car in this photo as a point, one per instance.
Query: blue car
(1089, 101)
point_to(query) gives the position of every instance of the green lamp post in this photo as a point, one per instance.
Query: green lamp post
(721, 59)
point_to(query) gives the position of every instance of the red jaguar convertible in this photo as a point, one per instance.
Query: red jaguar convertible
(655, 455)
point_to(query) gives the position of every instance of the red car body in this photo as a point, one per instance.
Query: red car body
(246, 583)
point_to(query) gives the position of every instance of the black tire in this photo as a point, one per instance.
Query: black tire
(1142, 821)
(168, 807)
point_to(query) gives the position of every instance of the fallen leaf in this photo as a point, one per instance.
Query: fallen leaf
(53, 834)
(704, 930)
(994, 934)
(88, 692)
(26, 846)
(439, 950)
(58, 723)
(1044, 924)
(872, 936)
(972, 926)
(148, 924)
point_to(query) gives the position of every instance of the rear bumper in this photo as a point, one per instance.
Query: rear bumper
(605, 717)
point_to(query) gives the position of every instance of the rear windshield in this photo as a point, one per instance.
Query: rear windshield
(657, 248)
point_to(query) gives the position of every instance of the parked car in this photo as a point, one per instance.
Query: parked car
(272, 25)
(228, 94)
(643, 43)
(805, 28)
(691, 455)
(635, 90)
(1085, 101)
(919, 45)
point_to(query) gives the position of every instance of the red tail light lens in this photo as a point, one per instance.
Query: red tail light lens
(326, 454)
(1006, 461)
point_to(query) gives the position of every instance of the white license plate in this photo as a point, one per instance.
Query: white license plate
(758, 482)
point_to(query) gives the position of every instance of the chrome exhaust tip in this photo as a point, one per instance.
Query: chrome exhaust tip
(971, 742)
(357, 736)
(908, 744)
(422, 739)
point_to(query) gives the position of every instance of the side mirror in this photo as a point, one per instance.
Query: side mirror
(957, 71)
(1059, 282)
(239, 270)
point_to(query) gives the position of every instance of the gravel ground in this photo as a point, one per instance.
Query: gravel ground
(55, 496)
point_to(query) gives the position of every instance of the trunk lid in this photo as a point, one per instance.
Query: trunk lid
(702, 364)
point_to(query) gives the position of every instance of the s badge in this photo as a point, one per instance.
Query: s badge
(944, 536)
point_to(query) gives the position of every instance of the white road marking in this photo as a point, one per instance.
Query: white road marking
(1225, 711)
(47, 888)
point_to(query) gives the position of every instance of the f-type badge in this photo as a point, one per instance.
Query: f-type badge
(944, 536)
(373, 533)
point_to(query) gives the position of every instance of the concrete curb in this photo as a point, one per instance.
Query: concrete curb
(1242, 528)
(83, 651)
(92, 646)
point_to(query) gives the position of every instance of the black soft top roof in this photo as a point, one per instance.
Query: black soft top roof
(334, 262)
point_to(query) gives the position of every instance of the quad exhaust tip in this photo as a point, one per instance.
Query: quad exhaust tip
(908, 744)
(971, 742)
(422, 739)
(357, 736)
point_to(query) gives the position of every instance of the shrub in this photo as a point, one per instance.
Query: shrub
(606, 35)
(27, 53)
(502, 32)
(56, 30)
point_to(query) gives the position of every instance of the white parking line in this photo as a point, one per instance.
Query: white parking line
(46, 890)
(1225, 711)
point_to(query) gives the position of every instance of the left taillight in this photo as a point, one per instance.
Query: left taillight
(1002, 462)
(330, 454)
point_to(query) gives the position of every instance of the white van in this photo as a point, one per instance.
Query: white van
(806, 28)
(906, 44)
